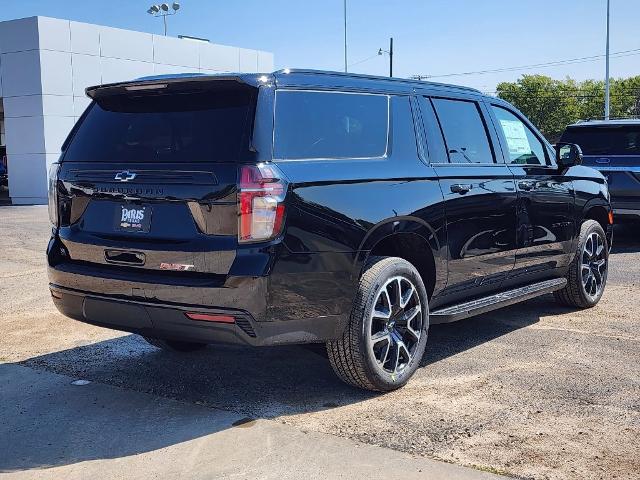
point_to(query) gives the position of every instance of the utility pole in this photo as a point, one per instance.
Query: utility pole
(345, 35)
(391, 57)
(390, 53)
(606, 82)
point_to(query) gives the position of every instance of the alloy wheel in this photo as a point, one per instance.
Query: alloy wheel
(396, 325)
(594, 265)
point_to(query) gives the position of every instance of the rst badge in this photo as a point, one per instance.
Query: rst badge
(179, 267)
(133, 218)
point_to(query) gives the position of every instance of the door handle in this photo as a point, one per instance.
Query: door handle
(527, 186)
(461, 188)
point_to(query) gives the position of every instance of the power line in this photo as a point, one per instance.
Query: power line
(576, 96)
(570, 61)
(363, 60)
(571, 92)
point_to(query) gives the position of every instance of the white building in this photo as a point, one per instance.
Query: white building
(45, 65)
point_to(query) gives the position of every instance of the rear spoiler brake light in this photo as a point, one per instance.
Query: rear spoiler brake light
(201, 82)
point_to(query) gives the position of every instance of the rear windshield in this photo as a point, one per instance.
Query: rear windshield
(610, 140)
(179, 127)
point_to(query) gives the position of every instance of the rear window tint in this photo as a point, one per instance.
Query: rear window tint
(330, 125)
(464, 131)
(610, 140)
(188, 127)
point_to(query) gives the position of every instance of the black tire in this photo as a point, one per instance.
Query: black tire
(575, 293)
(353, 356)
(175, 345)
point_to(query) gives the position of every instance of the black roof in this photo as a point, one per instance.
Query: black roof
(299, 78)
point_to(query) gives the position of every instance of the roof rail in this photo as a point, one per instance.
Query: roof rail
(286, 71)
(621, 117)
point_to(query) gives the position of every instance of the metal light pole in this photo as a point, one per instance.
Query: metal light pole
(162, 10)
(606, 82)
(390, 53)
(345, 35)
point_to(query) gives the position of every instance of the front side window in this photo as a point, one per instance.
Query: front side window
(524, 147)
(330, 125)
(464, 131)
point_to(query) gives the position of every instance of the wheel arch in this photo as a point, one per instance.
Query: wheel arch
(599, 211)
(413, 240)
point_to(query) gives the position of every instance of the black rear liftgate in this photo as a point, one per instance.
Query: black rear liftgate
(148, 178)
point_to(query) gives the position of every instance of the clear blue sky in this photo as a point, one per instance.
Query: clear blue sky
(432, 37)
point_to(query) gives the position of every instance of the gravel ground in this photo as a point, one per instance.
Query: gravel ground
(534, 390)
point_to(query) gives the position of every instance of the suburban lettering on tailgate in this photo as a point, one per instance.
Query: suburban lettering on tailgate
(149, 191)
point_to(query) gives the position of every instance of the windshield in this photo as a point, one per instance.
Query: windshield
(180, 127)
(609, 140)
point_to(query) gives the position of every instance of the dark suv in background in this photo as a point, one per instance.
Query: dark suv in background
(303, 206)
(613, 147)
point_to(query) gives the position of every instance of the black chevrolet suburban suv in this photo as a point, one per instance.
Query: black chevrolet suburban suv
(316, 207)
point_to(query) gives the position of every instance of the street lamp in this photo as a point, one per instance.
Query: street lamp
(162, 10)
(390, 53)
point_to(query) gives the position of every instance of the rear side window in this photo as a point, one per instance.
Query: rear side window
(464, 131)
(609, 140)
(330, 125)
(187, 127)
(524, 147)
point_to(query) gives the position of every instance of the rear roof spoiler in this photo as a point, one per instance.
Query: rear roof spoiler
(180, 81)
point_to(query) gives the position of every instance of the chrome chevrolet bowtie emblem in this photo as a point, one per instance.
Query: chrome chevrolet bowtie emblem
(125, 176)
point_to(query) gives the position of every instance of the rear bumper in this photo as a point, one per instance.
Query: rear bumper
(277, 297)
(169, 321)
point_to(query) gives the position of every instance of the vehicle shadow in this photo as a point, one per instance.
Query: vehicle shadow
(446, 340)
(251, 382)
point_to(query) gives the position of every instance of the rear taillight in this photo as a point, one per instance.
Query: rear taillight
(53, 193)
(262, 190)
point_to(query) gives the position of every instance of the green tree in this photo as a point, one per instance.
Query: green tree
(625, 97)
(550, 104)
(553, 104)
